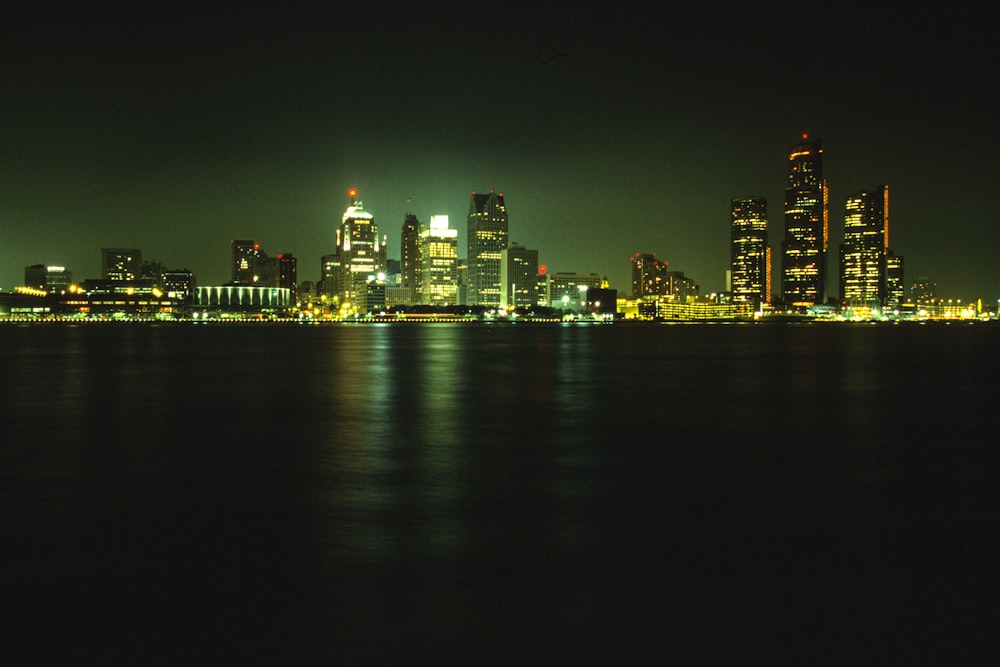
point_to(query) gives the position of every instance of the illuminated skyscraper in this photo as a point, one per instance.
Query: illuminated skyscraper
(486, 239)
(329, 272)
(649, 275)
(807, 226)
(121, 264)
(360, 253)
(244, 261)
(439, 263)
(519, 276)
(895, 287)
(865, 253)
(748, 252)
(923, 291)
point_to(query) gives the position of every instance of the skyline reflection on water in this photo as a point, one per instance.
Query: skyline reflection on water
(789, 493)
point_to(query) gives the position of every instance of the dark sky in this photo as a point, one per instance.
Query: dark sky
(609, 131)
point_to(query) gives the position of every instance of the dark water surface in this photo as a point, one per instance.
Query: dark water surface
(470, 494)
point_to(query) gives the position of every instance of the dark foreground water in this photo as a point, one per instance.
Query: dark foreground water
(514, 494)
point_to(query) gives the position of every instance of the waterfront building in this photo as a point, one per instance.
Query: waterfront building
(306, 296)
(895, 287)
(541, 285)
(375, 294)
(438, 252)
(241, 301)
(266, 270)
(329, 282)
(121, 299)
(569, 290)
(749, 252)
(153, 271)
(518, 277)
(602, 301)
(52, 279)
(58, 279)
(34, 276)
(463, 281)
(648, 275)
(179, 285)
(396, 295)
(486, 238)
(360, 255)
(245, 254)
(121, 264)
(680, 287)
(287, 274)
(923, 291)
(863, 254)
(807, 226)
(409, 249)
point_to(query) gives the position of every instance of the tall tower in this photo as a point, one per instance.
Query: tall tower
(244, 261)
(895, 287)
(486, 239)
(360, 254)
(410, 252)
(864, 253)
(748, 251)
(807, 226)
(288, 273)
(439, 263)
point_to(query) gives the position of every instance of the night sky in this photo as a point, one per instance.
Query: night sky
(609, 132)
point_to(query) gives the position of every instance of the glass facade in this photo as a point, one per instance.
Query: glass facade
(749, 251)
(486, 239)
(439, 263)
(807, 226)
(865, 250)
(360, 255)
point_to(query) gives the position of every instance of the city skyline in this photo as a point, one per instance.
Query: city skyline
(144, 132)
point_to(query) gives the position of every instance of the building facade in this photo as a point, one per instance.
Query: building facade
(360, 255)
(807, 226)
(121, 264)
(179, 285)
(486, 238)
(518, 277)
(241, 301)
(894, 284)
(288, 274)
(409, 250)
(52, 279)
(243, 261)
(568, 291)
(865, 253)
(329, 281)
(438, 252)
(649, 275)
(750, 275)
